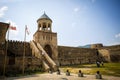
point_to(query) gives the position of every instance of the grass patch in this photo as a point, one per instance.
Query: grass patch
(112, 69)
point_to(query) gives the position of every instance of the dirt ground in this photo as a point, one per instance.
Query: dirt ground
(62, 76)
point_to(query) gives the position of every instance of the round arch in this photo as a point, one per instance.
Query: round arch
(48, 49)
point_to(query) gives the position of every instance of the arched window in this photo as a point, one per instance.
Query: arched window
(49, 25)
(44, 25)
(39, 25)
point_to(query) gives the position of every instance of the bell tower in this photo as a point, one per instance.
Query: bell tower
(45, 37)
(44, 23)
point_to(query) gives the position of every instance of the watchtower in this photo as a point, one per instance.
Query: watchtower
(45, 37)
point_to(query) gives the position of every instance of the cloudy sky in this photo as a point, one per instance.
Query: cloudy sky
(77, 22)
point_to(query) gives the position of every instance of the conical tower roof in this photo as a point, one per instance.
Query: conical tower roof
(44, 16)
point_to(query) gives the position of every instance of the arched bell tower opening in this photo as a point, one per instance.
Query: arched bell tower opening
(44, 23)
(48, 49)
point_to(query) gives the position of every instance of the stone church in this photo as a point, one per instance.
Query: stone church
(44, 52)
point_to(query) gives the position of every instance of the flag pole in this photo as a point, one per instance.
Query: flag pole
(5, 60)
(24, 51)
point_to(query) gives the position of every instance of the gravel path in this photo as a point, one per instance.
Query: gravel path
(54, 76)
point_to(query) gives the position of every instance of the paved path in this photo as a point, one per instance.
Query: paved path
(54, 76)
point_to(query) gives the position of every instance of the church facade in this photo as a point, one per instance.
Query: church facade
(44, 52)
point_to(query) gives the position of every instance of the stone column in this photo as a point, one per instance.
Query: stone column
(41, 26)
(47, 26)
(50, 27)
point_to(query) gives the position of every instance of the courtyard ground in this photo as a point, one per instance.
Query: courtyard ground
(54, 76)
(110, 71)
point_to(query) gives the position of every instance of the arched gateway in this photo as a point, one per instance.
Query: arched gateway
(48, 49)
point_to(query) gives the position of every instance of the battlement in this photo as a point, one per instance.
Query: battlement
(17, 47)
(18, 42)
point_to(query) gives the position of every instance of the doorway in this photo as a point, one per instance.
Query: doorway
(48, 49)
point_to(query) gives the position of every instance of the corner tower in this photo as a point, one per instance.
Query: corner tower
(45, 37)
(3, 31)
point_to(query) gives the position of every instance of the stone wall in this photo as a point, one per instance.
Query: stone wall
(115, 55)
(99, 45)
(1, 62)
(110, 53)
(14, 58)
(47, 39)
(17, 48)
(30, 63)
(3, 30)
(75, 55)
(113, 47)
(104, 53)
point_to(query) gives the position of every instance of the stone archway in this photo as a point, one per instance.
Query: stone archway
(48, 49)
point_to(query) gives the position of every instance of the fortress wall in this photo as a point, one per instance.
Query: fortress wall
(75, 55)
(17, 48)
(115, 55)
(30, 63)
(114, 47)
(105, 54)
(3, 30)
(96, 46)
(15, 57)
(110, 53)
(1, 61)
